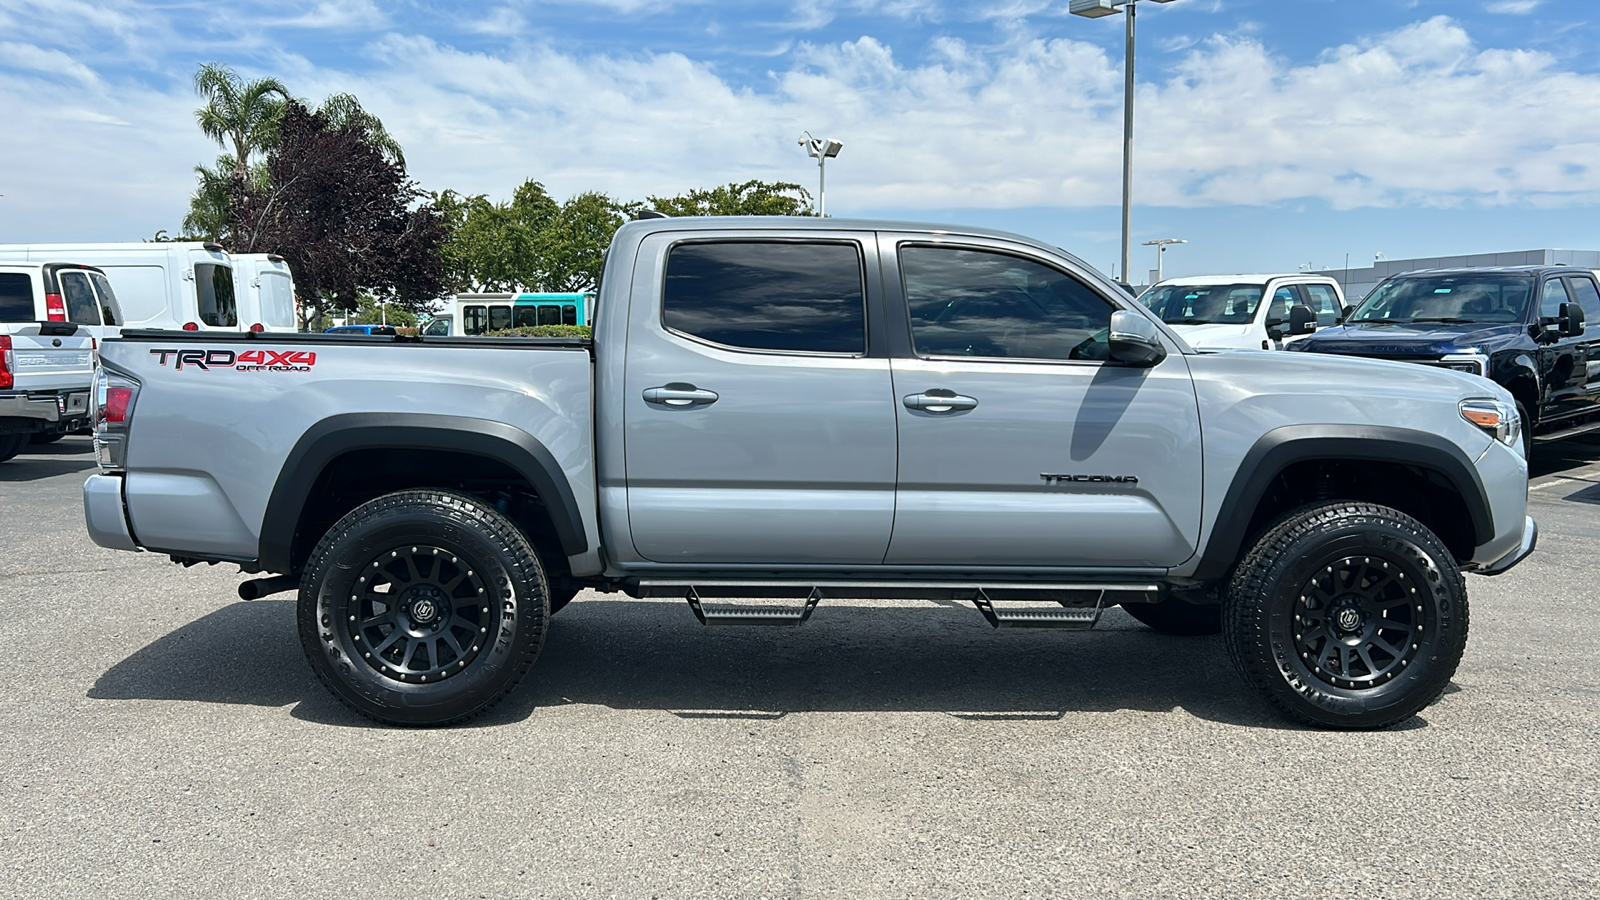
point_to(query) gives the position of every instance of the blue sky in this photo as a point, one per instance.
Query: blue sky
(1272, 133)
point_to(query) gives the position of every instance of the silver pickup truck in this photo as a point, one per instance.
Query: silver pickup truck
(808, 410)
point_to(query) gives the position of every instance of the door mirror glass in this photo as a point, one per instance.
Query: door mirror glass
(1302, 320)
(1135, 340)
(1570, 320)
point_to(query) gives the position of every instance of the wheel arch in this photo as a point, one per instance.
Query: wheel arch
(341, 436)
(1282, 450)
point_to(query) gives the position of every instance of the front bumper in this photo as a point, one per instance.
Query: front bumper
(104, 514)
(1530, 540)
(44, 411)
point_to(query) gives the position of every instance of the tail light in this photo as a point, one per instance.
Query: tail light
(54, 309)
(190, 326)
(114, 396)
(8, 363)
(258, 328)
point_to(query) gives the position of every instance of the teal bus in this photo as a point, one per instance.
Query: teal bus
(482, 313)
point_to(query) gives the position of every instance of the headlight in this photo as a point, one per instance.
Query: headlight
(1497, 418)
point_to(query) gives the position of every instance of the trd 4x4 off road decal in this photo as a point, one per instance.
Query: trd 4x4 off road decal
(248, 361)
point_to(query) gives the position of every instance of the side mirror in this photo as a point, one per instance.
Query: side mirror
(1302, 320)
(1570, 322)
(1135, 340)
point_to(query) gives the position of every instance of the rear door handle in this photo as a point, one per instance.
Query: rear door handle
(679, 395)
(939, 401)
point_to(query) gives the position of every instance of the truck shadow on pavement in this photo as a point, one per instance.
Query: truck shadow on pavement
(651, 655)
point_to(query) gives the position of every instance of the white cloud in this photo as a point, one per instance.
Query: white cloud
(1513, 7)
(1416, 116)
(27, 57)
(337, 14)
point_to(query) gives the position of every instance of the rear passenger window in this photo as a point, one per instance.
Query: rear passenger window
(473, 320)
(569, 315)
(213, 286)
(499, 318)
(1584, 290)
(81, 306)
(16, 298)
(765, 295)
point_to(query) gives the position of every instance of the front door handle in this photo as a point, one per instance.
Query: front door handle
(679, 395)
(939, 401)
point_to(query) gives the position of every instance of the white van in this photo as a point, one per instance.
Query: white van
(1246, 312)
(264, 288)
(181, 284)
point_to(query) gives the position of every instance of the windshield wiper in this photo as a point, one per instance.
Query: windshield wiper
(1192, 320)
(1378, 322)
(1448, 320)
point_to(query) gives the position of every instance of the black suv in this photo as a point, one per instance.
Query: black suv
(1519, 325)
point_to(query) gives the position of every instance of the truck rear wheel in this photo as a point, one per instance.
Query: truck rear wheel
(1347, 615)
(423, 608)
(11, 445)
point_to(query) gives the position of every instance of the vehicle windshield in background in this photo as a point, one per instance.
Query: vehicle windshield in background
(1203, 304)
(1449, 299)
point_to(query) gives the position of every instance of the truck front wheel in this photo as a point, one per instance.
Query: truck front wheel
(1347, 615)
(423, 608)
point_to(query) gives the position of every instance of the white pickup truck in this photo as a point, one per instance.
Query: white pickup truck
(822, 409)
(1246, 312)
(46, 361)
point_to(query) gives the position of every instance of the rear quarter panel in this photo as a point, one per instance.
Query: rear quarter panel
(207, 445)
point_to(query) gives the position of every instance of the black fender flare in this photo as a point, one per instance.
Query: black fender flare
(1282, 447)
(337, 435)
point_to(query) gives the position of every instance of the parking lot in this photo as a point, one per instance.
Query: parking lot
(163, 738)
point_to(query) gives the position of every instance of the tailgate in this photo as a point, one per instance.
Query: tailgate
(49, 362)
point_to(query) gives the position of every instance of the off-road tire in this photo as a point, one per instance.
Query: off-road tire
(1347, 575)
(1174, 616)
(477, 560)
(1527, 432)
(12, 444)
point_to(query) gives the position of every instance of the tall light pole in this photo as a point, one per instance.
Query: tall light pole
(1094, 9)
(822, 151)
(1161, 252)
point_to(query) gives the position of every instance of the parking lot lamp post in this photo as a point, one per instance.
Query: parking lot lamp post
(1161, 253)
(821, 150)
(1094, 9)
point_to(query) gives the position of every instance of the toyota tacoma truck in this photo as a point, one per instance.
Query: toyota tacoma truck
(773, 413)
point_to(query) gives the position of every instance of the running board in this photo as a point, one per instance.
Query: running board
(728, 614)
(1574, 431)
(1077, 605)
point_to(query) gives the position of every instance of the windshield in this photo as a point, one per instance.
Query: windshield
(1203, 304)
(1451, 299)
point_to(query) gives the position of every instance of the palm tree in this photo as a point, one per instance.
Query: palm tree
(344, 110)
(244, 113)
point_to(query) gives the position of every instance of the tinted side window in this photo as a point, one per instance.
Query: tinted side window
(213, 286)
(16, 297)
(524, 316)
(81, 306)
(550, 314)
(1588, 298)
(499, 318)
(805, 298)
(981, 303)
(108, 299)
(569, 315)
(474, 320)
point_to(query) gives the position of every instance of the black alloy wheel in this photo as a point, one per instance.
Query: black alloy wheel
(1347, 615)
(423, 607)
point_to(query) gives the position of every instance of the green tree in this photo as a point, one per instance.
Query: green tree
(238, 112)
(344, 110)
(752, 198)
(573, 243)
(344, 215)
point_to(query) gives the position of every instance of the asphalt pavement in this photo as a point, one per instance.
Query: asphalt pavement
(162, 738)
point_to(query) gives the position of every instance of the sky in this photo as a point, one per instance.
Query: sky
(1271, 135)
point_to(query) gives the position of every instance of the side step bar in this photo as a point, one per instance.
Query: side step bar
(1078, 605)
